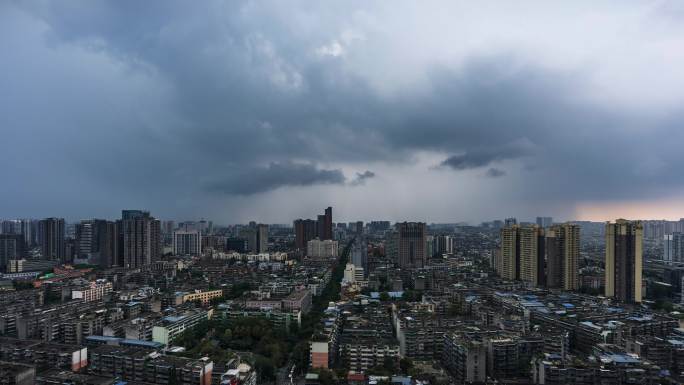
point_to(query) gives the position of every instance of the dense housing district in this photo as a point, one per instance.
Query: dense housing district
(139, 300)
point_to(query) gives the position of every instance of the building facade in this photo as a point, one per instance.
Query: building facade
(624, 248)
(562, 256)
(141, 238)
(51, 238)
(187, 243)
(411, 244)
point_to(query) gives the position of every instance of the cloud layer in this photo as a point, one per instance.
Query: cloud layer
(228, 107)
(246, 181)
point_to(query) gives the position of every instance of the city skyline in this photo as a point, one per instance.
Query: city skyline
(437, 112)
(283, 192)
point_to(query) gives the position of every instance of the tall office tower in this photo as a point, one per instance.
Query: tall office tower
(673, 248)
(327, 224)
(187, 242)
(562, 256)
(141, 238)
(522, 254)
(411, 244)
(262, 238)
(51, 241)
(12, 246)
(305, 230)
(624, 246)
(544, 222)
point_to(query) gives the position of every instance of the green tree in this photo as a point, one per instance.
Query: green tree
(265, 368)
(300, 356)
(405, 364)
(390, 365)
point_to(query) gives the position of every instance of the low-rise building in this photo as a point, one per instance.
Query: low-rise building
(298, 301)
(203, 296)
(95, 291)
(172, 326)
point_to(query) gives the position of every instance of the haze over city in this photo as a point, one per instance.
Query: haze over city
(287, 192)
(440, 111)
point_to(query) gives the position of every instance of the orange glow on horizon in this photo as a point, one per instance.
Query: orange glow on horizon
(669, 209)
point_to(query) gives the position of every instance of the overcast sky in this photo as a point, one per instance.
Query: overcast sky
(397, 110)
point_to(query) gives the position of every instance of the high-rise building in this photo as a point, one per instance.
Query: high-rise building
(27, 232)
(262, 238)
(320, 226)
(12, 246)
(238, 245)
(411, 244)
(168, 227)
(544, 222)
(97, 241)
(10, 227)
(141, 238)
(51, 239)
(308, 229)
(673, 248)
(85, 244)
(562, 256)
(305, 230)
(443, 245)
(19, 226)
(522, 254)
(250, 234)
(359, 253)
(378, 226)
(507, 263)
(359, 227)
(624, 247)
(327, 224)
(531, 254)
(110, 247)
(510, 222)
(187, 242)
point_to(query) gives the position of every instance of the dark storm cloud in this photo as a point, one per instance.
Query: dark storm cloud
(495, 173)
(143, 102)
(361, 177)
(481, 157)
(247, 181)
